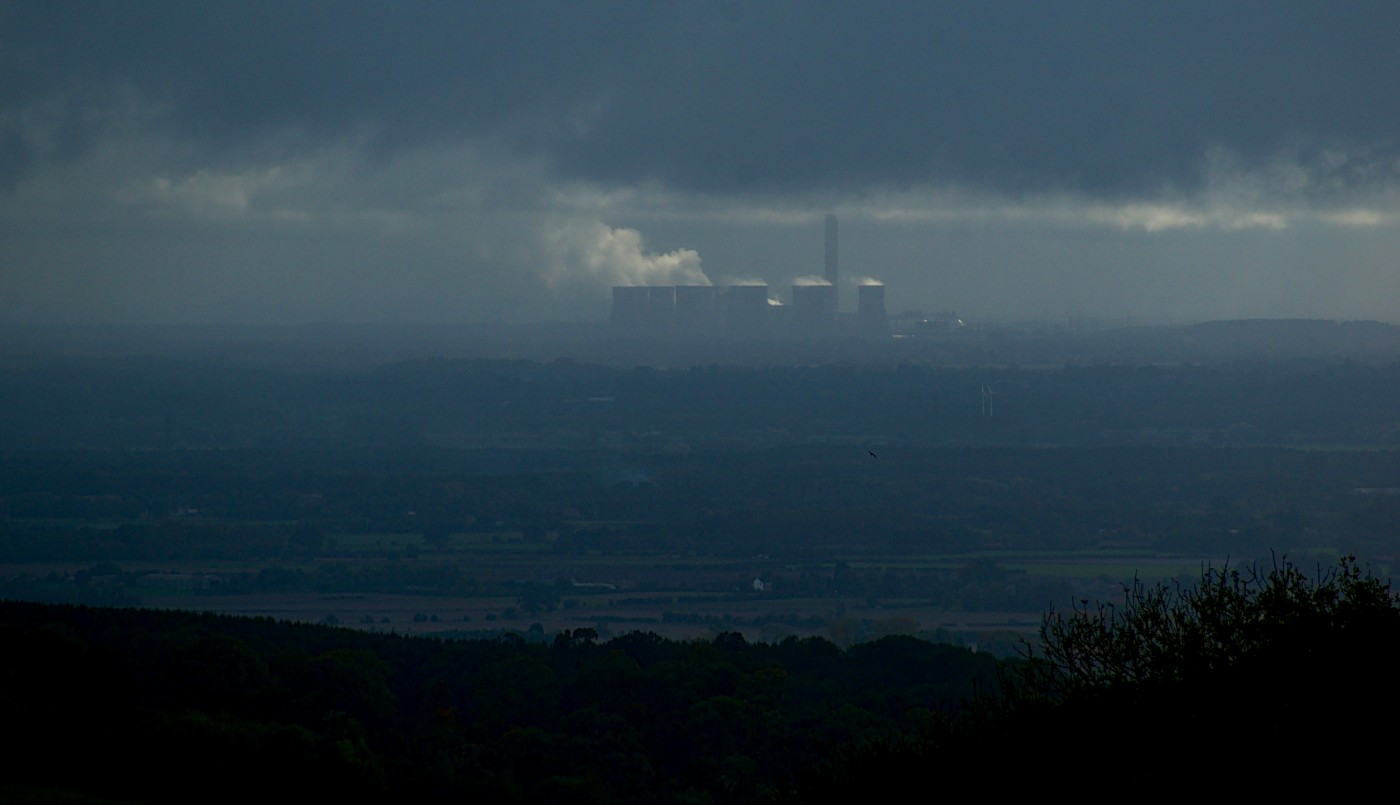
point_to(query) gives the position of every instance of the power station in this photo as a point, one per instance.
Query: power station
(830, 271)
(749, 311)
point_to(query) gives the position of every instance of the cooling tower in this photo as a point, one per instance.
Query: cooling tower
(746, 311)
(870, 311)
(813, 310)
(697, 310)
(629, 309)
(831, 269)
(661, 309)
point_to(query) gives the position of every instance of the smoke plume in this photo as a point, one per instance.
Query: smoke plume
(597, 253)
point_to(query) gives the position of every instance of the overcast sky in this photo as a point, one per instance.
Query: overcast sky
(288, 162)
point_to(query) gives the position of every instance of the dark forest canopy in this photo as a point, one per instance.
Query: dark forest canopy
(161, 703)
(1251, 664)
(1240, 675)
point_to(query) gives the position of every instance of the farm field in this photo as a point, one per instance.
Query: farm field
(953, 544)
(679, 597)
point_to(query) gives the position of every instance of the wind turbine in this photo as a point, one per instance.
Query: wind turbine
(988, 400)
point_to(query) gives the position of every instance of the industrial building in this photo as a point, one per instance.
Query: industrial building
(744, 312)
(749, 312)
(693, 311)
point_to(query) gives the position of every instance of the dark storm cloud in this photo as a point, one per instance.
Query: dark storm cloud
(345, 160)
(1109, 99)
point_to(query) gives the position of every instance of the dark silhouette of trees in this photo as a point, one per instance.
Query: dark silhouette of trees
(1166, 634)
(1249, 666)
(1271, 676)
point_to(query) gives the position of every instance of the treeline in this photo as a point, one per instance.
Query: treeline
(1280, 677)
(156, 706)
(1259, 678)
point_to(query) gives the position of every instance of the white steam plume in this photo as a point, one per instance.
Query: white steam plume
(594, 252)
(811, 280)
(866, 281)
